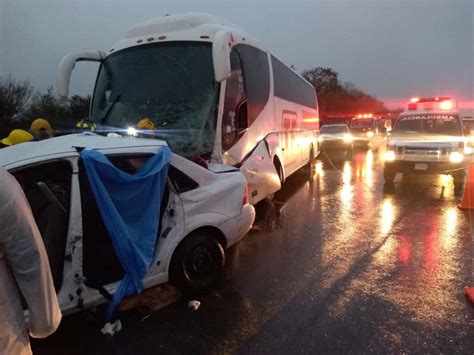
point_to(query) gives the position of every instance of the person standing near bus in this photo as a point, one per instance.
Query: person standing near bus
(24, 272)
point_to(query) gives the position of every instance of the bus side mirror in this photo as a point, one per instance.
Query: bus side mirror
(67, 65)
(221, 48)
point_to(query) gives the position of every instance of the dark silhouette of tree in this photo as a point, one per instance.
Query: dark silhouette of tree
(79, 106)
(63, 114)
(336, 98)
(14, 96)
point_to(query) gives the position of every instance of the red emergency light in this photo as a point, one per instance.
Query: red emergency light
(429, 103)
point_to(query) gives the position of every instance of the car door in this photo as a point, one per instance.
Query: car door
(101, 267)
(50, 188)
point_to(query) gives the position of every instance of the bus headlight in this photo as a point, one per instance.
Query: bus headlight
(456, 157)
(347, 138)
(370, 134)
(390, 155)
(467, 150)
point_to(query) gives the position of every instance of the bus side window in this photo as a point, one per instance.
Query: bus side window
(234, 120)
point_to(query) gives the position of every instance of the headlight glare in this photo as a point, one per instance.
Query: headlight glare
(390, 155)
(347, 138)
(456, 157)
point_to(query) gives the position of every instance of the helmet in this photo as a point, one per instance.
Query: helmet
(86, 124)
(145, 123)
(40, 124)
(17, 136)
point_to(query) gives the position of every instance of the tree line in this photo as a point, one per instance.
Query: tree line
(340, 98)
(20, 104)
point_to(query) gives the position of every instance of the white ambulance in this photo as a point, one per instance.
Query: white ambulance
(428, 138)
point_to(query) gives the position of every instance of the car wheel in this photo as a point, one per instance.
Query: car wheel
(349, 154)
(389, 174)
(197, 264)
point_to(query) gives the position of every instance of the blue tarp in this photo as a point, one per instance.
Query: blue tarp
(130, 208)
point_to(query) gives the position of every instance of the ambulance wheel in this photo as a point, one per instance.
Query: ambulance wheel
(197, 264)
(458, 180)
(389, 174)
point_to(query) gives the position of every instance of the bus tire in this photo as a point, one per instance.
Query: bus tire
(279, 170)
(197, 264)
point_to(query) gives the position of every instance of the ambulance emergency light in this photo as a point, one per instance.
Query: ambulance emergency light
(441, 103)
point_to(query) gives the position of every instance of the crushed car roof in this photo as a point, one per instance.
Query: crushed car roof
(70, 144)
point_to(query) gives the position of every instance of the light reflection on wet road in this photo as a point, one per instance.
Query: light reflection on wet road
(338, 263)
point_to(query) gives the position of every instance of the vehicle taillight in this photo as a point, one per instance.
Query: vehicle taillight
(245, 199)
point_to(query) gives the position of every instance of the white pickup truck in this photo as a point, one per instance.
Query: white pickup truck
(428, 138)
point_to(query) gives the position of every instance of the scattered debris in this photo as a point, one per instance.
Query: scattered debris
(112, 328)
(195, 305)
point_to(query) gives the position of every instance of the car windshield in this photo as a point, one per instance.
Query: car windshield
(333, 129)
(429, 124)
(362, 122)
(172, 84)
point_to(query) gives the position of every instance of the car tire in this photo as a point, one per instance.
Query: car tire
(349, 154)
(389, 174)
(197, 264)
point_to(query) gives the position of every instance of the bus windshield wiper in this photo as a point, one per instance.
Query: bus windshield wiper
(102, 120)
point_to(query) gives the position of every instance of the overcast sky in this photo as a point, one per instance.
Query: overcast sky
(390, 48)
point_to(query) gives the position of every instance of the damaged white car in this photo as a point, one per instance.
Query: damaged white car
(203, 212)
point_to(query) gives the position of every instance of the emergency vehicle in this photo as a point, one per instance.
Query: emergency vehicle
(427, 138)
(364, 130)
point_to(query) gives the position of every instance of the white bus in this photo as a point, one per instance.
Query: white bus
(211, 90)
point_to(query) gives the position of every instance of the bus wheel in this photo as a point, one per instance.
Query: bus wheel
(279, 170)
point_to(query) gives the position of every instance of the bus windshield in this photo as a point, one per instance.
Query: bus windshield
(429, 124)
(171, 83)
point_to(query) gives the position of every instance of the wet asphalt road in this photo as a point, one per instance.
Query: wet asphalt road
(337, 264)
